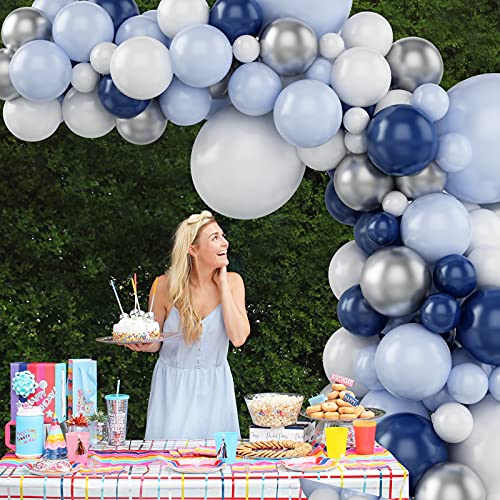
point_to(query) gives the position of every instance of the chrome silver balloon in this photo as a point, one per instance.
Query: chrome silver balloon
(144, 128)
(24, 25)
(219, 90)
(395, 281)
(414, 61)
(450, 481)
(359, 184)
(7, 90)
(430, 180)
(289, 46)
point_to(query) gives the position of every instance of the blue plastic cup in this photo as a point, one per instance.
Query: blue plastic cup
(231, 440)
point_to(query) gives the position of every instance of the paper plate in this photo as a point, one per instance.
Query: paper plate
(38, 472)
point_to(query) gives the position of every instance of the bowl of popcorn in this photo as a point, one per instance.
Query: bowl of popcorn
(272, 409)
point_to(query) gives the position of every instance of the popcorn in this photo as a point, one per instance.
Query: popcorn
(273, 409)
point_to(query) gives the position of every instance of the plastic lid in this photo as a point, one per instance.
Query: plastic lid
(114, 397)
(30, 411)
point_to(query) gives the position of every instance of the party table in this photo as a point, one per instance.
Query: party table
(141, 469)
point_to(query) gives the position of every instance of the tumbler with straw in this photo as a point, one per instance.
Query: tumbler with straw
(117, 405)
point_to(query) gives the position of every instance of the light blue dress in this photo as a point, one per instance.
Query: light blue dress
(192, 392)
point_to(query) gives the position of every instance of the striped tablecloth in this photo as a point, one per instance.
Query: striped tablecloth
(141, 470)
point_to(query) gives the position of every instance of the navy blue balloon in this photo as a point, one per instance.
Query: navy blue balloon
(119, 10)
(337, 209)
(440, 313)
(412, 440)
(357, 316)
(401, 140)
(236, 17)
(367, 245)
(383, 229)
(455, 274)
(119, 104)
(479, 327)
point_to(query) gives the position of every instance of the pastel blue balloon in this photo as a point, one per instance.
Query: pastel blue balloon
(40, 70)
(467, 383)
(307, 113)
(462, 355)
(364, 368)
(494, 383)
(436, 225)
(254, 88)
(151, 14)
(320, 70)
(323, 17)
(392, 405)
(185, 105)
(454, 153)
(79, 27)
(51, 7)
(475, 113)
(201, 55)
(432, 100)
(439, 399)
(140, 26)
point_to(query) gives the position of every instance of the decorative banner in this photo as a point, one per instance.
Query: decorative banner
(339, 379)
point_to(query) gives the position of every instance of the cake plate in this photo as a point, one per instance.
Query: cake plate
(161, 338)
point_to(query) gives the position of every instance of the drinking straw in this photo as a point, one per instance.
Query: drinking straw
(118, 388)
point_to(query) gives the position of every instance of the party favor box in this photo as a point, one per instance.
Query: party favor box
(39, 384)
(82, 387)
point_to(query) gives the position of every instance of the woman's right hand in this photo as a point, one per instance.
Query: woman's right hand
(149, 347)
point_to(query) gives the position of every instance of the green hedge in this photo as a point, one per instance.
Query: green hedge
(77, 211)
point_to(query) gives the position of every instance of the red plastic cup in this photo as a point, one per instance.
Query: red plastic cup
(364, 434)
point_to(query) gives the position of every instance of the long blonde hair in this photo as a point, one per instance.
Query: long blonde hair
(181, 266)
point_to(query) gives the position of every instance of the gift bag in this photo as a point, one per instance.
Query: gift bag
(82, 387)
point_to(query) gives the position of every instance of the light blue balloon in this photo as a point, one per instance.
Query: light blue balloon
(436, 225)
(254, 88)
(462, 355)
(307, 113)
(40, 71)
(391, 404)
(152, 14)
(51, 7)
(454, 153)
(364, 368)
(494, 383)
(140, 26)
(475, 113)
(79, 27)
(322, 16)
(201, 55)
(467, 383)
(442, 397)
(432, 100)
(185, 105)
(320, 70)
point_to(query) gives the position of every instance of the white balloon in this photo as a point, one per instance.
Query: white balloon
(345, 268)
(100, 57)
(356, 143)
(485, 261)
(392, 98)
(141, 68)
(174, 15)
(480, 450)
(246, 48)
(361, 76)
(326, 156)
(471, 206)
(368, 29)
(331, 45)
(395, 203)
(32, 121)
(356, 120)
(452, 422)
(84, 78)
(241, 167)
(485, 229)
(494, 207)
(324, 494)
(85, 116)
(340, 355)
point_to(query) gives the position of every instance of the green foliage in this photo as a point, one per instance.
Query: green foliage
(75, 212)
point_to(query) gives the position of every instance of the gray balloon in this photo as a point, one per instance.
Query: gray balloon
(24, 25)
(289, 46)
(429, 180)
(450, 481)
(395, 281)
(7, 90)
(414, 61)
(144, 128)
(219, 90)
(359, 184)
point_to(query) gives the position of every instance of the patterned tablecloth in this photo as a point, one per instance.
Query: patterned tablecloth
(144, 469)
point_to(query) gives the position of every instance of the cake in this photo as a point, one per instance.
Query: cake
(136, 327)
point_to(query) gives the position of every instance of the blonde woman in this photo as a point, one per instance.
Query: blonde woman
(192, 392)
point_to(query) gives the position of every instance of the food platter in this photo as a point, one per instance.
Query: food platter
(161, 338)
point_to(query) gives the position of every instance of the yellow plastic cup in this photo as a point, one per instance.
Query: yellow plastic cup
(336, 441)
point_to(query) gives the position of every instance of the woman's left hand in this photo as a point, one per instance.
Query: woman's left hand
(220, 277)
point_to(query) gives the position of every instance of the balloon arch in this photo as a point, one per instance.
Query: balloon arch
(413, 168)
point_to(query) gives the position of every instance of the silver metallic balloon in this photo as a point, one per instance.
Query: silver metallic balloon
(219, 90)
(395, 281)
(429, 180)
(289, 46)
(450, 481)
(359, 184)
(7, 90)
(414, 61)
(144, 128)
(24, 25)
